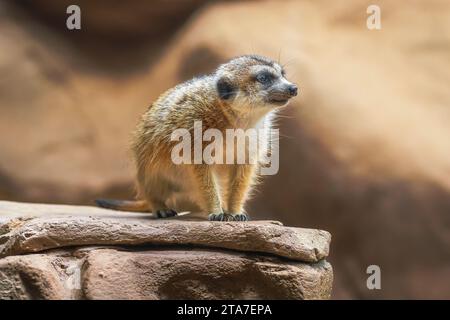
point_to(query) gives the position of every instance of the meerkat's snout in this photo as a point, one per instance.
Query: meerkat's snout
(288, 89)
(292, 90)
(281, 92)
(272, 83)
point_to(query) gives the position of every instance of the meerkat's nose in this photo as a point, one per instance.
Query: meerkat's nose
(293, 90)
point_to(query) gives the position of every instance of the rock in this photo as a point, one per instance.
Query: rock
(104, 273)
(200, 274)
(31, 277)
(64, 226)
(75, 252)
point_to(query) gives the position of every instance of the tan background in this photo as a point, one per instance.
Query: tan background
(365, 148)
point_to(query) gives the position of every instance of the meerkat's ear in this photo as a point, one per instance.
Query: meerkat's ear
(225, 88)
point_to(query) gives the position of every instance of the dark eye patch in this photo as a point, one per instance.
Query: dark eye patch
(226, 89)
(265, 77)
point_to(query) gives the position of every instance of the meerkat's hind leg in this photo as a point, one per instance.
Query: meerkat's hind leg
(158, 189)
(160, 209)
(166, 213)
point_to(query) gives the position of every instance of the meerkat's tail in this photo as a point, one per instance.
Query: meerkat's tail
(124, 205)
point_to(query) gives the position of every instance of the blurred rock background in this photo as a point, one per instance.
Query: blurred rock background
(365, 148)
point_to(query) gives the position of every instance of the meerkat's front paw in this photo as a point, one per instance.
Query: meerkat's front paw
(220, 217)
(166, 213)
(241, 217)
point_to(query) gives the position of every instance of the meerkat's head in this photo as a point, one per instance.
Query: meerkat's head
(254, 81)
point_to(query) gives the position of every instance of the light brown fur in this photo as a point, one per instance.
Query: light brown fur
(229, 98)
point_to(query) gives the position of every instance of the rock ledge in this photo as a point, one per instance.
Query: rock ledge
(75, 252)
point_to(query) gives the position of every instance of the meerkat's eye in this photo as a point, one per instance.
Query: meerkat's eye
(264, 78)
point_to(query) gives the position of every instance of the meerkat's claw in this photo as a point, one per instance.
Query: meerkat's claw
(241, 217)
(220, 217)
(166, 213)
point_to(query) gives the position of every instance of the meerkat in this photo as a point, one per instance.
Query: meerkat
(242, 93)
